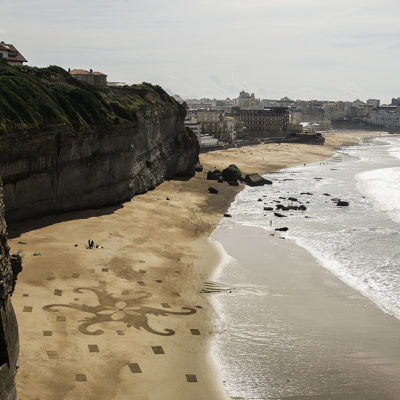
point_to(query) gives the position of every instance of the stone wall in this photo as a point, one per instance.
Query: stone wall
(59, 170)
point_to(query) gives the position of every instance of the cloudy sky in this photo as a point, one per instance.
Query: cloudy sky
(310, 49)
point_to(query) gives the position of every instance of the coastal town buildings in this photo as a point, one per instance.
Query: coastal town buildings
(269, 122)
(375, 103)
(195, 127)
(334, 111)
(247, 101)
(10, 54)
(387, 117)
(396, 102)
(212, 122)
(92, 77)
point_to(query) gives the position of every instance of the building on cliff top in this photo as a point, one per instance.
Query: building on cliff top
(92, 77)
(10, 54)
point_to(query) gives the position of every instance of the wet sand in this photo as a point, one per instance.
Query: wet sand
(128, 320)
(320, 338)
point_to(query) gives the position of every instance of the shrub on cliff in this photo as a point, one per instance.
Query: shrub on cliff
(33, 99)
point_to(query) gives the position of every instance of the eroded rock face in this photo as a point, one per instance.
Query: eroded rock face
(9, 344)
(59, 170)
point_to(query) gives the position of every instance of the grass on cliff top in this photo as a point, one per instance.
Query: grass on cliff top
(33, 99)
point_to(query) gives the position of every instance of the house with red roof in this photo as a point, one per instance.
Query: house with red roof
(92, 77)
(10, 54)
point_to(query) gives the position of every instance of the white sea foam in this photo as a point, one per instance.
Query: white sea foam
(383, 186)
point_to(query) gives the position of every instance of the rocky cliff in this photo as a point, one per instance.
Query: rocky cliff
(65, 145)
(9, 345)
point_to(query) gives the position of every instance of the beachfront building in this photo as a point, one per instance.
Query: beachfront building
(334, 111)
(195, 127)
(388, 117)
(212, 122)
(270, 122)
(92, 77)
(10, 54)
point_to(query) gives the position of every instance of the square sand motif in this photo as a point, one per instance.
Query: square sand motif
(165, 305)
(191, 378)
(47, 333)
(27, 309)
(158, 350)
(80, 378)
(120, 333)
(57, 292)
(141, 283)
(61, 318)
(135, 368)
(195, 332)
(52, 354)
(93, 348)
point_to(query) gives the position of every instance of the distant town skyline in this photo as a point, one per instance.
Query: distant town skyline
(303, 49)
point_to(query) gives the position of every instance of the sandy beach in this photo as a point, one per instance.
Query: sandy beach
(128, 320)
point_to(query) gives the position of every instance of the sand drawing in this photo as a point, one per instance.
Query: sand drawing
(133, 312)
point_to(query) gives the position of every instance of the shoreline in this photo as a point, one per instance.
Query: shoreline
(173, 278)
(320, 338)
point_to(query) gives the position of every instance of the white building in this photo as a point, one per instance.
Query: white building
(388, 117)
(195, 127)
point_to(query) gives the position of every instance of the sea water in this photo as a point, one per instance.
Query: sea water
(359, 243)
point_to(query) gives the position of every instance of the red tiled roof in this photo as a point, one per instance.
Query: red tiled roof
(84, 72)
(10, 48)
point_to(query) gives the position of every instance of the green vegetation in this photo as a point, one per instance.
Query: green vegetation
(33, 99)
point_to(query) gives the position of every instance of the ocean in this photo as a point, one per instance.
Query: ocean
(359, 244)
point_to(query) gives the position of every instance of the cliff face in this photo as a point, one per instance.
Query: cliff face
(86, 159)
(9, 345)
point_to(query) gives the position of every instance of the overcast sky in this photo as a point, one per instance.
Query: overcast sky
(309, 49)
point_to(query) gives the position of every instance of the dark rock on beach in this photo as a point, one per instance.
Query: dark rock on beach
(212, 190)
(256, 180)
(198, 167)
(233, 183)
(342, 203)
(292, 199)
(213, 175)
(227, 215)
(284, 229)
(279, 215)
(232, 173)
(268, 209)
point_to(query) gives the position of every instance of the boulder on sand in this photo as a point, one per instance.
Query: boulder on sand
(284, 229)
(279, 215)
(256, 180)
(212, 190)
(213, 175)
(232, 173)
(342, 203)
(198, 167)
